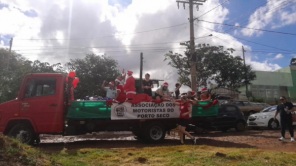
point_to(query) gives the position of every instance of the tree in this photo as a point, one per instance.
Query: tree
(13, 67)
(92, 71)
(213, 63)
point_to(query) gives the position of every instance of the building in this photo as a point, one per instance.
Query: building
(269, 86)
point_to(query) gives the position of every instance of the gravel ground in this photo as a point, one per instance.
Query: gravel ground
(258, 139)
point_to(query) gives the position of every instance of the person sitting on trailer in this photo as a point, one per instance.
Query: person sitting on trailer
(163, 92)
(205, 95)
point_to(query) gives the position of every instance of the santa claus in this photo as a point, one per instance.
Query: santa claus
(130, 85)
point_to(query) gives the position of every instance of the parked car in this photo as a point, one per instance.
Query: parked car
(265, 118)
(223, 99)
(249, 108)
(229, 116)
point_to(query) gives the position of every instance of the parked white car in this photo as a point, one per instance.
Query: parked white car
(265, 118)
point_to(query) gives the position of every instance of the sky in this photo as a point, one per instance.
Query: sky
(59, 30)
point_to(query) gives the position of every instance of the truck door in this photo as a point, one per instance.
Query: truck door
(43, 104)
(227, 116)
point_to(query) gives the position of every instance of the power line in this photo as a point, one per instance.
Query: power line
(264, 45)
(109, 46)
(284, 33)
(211, 30)
(280, 5)
(156, 29)
(220, 4)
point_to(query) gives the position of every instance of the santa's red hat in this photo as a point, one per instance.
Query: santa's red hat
(129, 72)
(111, 83)
(118, 80)
(165, 84)
(203, 90)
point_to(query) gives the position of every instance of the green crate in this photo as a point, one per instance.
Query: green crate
(203, 103)
(200, 111)
(101, 103)
(89, 110)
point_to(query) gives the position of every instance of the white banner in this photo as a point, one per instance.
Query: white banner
(144, 110)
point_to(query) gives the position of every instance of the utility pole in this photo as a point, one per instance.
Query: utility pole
(247, 91)
(10, 44)
(192, 44)
(141, 71)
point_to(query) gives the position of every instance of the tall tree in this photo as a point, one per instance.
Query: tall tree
(92, 71)
(13, 67)
(213, 63)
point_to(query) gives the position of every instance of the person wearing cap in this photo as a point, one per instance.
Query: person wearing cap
(120, 94)
(147, 85)
(163, 92)
(285, 109)
(130, 85)
(191, 95)
(184, 118)
(205, 95)
(110, 89)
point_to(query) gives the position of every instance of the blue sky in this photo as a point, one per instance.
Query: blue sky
(280, 42)
(59, 30)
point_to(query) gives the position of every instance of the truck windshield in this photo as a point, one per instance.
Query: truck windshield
(40, 87)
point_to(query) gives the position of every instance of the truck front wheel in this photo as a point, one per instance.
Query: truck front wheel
(22, 132)
(154, 133)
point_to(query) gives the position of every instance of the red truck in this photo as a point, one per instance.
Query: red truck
(44, 106)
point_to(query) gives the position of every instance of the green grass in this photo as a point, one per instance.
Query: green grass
(175, 156)
(14, 153)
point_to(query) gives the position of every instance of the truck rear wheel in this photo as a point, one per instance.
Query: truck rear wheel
(240, 126)
(154, 133)
(22, 132)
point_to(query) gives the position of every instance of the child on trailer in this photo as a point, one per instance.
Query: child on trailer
(205, 95)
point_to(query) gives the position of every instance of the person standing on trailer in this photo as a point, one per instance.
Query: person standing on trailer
(147, 85)
(130, 86)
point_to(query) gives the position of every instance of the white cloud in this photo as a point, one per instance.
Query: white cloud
(276, 13)
(95, 26)
(264, 66)
(279, 56)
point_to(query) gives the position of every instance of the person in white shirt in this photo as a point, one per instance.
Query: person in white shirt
(110, 90)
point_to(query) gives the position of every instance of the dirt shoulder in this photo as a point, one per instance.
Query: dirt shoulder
(258, 139)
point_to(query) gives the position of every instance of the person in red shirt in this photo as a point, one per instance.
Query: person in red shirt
(184, 119)
(205, 95)
(120, 95)
(130, 85)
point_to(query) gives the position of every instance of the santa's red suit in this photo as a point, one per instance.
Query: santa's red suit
(121, 95)
(130, 85)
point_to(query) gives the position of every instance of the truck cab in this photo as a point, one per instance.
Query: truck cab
(39, 101)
